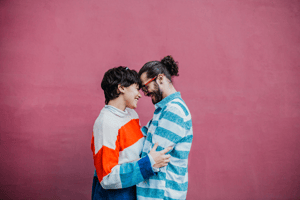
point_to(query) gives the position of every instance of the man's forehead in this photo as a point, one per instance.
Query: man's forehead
(144, 77)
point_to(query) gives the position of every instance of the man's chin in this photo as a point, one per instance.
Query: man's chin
(156, 96)
(153, 99)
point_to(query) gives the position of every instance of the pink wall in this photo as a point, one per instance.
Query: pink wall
(239, 75)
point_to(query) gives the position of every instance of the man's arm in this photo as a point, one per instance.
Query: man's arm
(175, 128)
(172, 126)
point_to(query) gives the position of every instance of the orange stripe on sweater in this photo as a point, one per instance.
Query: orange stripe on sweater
(105, 159)
(93, 145)
(129, 134)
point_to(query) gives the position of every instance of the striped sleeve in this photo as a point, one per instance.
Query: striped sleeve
(145, 128)
(128, 174)
(172, 126)
(112, 175)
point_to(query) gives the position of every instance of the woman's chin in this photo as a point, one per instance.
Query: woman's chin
(133, 106)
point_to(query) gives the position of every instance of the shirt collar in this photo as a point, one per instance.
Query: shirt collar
(117, 111)
(167, 99)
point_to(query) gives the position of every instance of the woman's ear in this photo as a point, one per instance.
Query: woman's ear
(121, 89)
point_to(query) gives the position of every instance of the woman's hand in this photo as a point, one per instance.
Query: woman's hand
(159, 157)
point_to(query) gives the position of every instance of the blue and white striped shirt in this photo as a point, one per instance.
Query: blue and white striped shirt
(171, 125)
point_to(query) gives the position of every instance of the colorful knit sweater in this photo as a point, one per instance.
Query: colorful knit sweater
(171, 125)
(116, 144)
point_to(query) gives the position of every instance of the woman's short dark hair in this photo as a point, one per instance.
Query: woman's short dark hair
(166, 66)
(115, 76)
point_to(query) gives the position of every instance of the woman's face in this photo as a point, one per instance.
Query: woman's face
(132, 95)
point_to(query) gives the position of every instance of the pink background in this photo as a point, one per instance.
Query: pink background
(239, 74)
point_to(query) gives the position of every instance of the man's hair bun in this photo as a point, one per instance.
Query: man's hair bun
(171, 65)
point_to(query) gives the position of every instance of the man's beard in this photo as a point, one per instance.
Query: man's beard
(157, 94)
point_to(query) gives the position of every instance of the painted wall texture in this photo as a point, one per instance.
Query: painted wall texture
(239, 74)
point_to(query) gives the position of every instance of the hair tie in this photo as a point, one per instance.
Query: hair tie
(126, 68)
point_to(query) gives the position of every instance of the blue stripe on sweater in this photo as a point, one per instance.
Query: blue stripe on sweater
(145, 167)
(155, 123)
(159, 148)
(149, 137)
(158, 176)
(188, 124)
(148, 192)
(180, 154)
(157, 111)
(169, 198)
(177, 170)
(144, 130)
(187, 139)
(169, 135)
(186, 112)
(176, 186)
(172, 117)
(129, 175)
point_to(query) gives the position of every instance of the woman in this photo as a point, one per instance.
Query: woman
(117, 141)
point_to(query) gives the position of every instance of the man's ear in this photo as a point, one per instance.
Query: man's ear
(121, 88)
(160, 78)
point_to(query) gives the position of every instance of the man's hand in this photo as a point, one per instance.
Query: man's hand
(159, 157)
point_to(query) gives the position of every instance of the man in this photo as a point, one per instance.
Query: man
(171, 125)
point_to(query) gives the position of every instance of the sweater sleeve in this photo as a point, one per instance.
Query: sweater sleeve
(112, 175)
(128, 174)
(175, 129)
(171, 127)
(144, 129)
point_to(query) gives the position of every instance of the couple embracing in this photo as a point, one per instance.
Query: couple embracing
(148, 163)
